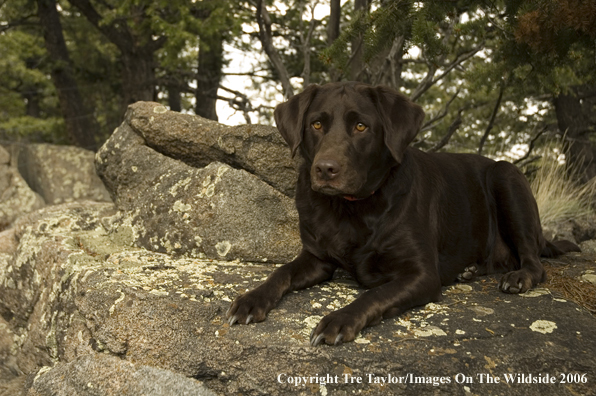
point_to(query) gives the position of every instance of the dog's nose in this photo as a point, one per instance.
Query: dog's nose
(327, 169)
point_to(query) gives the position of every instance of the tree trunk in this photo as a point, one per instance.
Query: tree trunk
(79, 122)
(334, 18)
(333, 33)
(357, 64)
(138, 69)
(174, 97)
(31, 96)
(31, 92)
(264, 22)
(209, 76)
(138, 75)
(576, 116)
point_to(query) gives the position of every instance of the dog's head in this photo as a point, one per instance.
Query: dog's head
(351, 134)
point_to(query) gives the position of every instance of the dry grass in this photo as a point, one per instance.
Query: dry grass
(559, 198)
(570, 288)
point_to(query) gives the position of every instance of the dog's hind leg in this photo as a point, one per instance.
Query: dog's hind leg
(518, 224)
(469, 274)
(557, 248)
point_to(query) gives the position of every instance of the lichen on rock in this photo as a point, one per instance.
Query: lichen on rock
(215, 211)
(131, 297)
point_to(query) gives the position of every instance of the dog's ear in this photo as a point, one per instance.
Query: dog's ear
(289, 116)
(401, 117)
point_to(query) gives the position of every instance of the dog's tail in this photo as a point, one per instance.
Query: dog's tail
(557, 248)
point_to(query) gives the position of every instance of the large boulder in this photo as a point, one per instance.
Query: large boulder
(107, 375)
(61, 173)
(258, 149)
(217, 211)
(16, 197)
(81, 306)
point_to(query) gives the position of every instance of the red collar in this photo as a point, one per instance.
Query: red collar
(352, 198)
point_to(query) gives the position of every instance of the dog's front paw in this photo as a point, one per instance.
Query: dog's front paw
(518, 281)
(337, 327)
(250, 307)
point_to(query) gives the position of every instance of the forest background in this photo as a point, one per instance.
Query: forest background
(502, 78)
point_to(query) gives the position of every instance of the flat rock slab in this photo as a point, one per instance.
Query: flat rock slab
(74, 291)
(473, 336)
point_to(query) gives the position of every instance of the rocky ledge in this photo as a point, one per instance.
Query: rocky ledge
(98, 299)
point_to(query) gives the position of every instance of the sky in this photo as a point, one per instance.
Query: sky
(244, 62)
(240, 62)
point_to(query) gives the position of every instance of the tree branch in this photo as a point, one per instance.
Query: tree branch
(306, 45)
(394, 63)
(264, 23)
(249, 74)
(391, 64)
(450, 132)
(157, 43)
(120, 37)
(491, 123)
(426, 82)
(531, 145)
(529, 172)
(432, 64)
(429, 80)
(242, 103)
(24, 21)
(459, 60)
(429, 125)
(411, 60)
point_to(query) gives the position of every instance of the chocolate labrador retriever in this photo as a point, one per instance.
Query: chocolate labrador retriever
(403, 222)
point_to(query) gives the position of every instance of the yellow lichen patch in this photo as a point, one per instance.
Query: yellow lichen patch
(223, 248)
(543, 326)
(179, 206)
(184, 183)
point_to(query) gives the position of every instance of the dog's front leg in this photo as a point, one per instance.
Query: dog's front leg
(384, 301)
(305, 271)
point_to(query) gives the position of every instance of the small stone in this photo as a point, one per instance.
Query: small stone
(589, 278)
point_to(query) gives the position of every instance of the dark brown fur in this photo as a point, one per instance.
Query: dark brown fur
(401, 221)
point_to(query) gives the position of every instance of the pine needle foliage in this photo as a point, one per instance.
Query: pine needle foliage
(378, 29)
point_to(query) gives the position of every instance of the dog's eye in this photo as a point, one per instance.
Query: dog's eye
(360, 127)
(317, 125)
